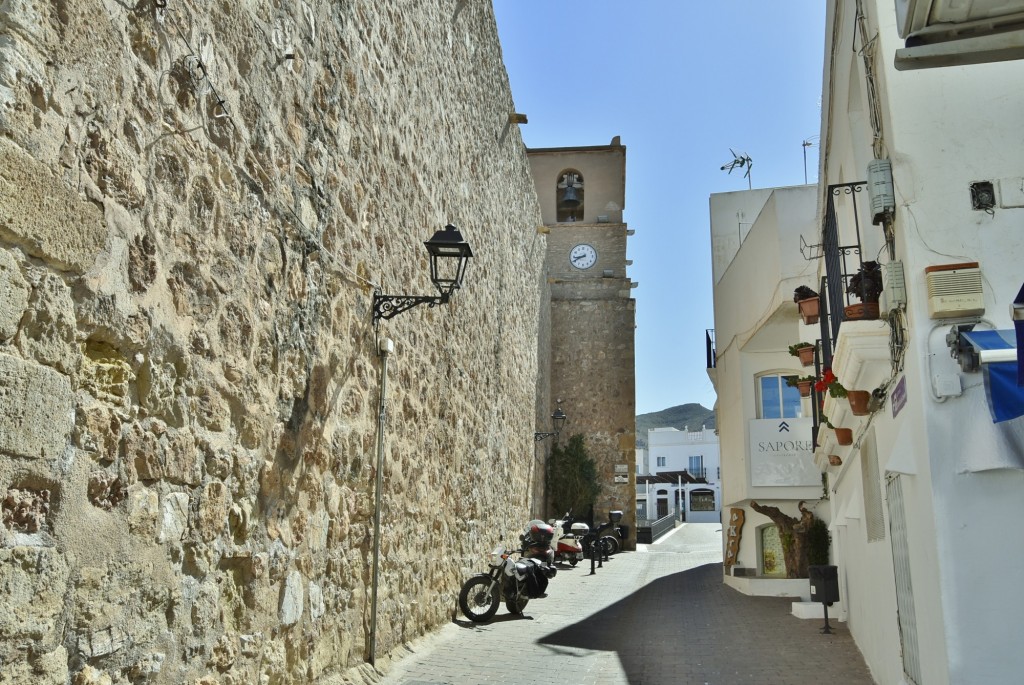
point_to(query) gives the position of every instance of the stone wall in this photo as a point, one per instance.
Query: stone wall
(197, 202)
(592, 367)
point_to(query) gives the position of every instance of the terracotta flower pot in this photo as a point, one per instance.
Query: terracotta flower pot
(844, 436)
(865, 311)
(806, 355)
(859, 402)
(809, 310)
(804, 387)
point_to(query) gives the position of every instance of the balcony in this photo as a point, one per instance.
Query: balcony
(843, 253)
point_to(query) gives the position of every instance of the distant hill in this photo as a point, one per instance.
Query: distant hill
(693, 416)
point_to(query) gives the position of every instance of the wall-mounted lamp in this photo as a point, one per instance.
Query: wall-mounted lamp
(449, 255)
(557, 421)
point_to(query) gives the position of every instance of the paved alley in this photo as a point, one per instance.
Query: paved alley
(657, 615)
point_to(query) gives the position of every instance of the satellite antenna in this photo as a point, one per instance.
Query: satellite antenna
(740, 161)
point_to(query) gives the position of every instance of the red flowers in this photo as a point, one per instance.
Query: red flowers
(828, 381)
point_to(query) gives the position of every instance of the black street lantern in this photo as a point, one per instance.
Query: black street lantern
(557, 421)
(449, 255)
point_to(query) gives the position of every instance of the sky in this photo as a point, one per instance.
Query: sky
(682, 83)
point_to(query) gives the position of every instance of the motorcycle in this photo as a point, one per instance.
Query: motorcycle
(568, 545)
(606, 545)
(516, 581)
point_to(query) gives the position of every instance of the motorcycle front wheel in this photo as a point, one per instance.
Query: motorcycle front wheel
(479, 599)
(516, 604)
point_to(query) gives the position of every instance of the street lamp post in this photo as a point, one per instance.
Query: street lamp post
(449, 255)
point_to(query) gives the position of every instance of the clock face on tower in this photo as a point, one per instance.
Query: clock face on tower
(583, 256)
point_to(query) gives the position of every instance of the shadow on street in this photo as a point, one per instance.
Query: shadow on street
(690, 625)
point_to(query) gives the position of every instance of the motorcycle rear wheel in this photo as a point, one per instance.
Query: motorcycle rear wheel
(516, 604)
(611, 544)
(478, 600)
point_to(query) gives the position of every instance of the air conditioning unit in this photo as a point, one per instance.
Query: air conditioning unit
(880, 189)
(956, 16)
(954, 290)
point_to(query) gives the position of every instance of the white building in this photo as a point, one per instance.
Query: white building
(680, 470)
(923, 505)
(928, 493)
(764, 428)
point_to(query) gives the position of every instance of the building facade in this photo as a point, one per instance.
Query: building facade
(920, 171)
(593, 314)
(920, 182)
(764, 428)
(680, 471)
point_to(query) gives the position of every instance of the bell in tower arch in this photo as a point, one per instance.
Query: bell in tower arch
(570, 196)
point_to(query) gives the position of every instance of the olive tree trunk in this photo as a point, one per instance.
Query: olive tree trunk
(793, 533)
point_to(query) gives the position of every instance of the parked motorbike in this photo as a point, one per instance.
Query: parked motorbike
(568, 543)
(601, 539)
(516, 581)
(536, 538)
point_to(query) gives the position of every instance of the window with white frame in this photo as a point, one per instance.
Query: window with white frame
(696, 464)
(777, 399)
(661, 461)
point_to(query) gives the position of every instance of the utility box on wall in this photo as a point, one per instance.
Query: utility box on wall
(880, 189)
(954, 290)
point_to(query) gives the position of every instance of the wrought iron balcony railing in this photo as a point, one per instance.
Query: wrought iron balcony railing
(843, 260)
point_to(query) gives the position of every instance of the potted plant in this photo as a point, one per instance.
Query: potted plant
(829, 382)
(807, 302)
(866, 285)
(818, 542)
(858, 402)
(802, 383)
(803, 350)
(844, 436)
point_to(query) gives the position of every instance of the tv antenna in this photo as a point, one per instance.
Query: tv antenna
(808, 142)
(740, 161)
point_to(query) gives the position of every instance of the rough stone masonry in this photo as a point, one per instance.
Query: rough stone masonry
(197, 202)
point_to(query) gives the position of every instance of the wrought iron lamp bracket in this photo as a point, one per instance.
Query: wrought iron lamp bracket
(537, 437)
(390, 306)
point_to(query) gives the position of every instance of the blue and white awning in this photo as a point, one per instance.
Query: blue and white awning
(1017, 314)
(1002, 369)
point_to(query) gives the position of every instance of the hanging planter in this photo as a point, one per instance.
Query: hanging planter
(801, 383)
(805, 352)
(844, 436)
(859, 401)
(809, 310)
(807, 302)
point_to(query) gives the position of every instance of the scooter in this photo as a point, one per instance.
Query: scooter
(569, 545)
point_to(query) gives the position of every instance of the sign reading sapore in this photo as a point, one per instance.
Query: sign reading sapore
(782, 453)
